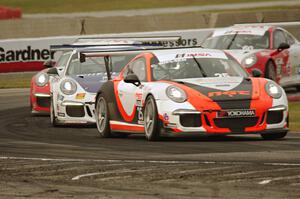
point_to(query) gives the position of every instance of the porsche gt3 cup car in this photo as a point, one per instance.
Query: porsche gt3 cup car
(40, 86)
(186, 91)
(73, 93)
(272, 50)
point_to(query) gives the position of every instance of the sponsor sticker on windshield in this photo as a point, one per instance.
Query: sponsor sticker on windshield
(240, 31)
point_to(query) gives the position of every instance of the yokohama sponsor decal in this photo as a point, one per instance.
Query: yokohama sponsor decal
(236, 113)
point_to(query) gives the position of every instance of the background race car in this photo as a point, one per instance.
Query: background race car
(272, 50)
(73, 93)
(190, 91)
(40, 86)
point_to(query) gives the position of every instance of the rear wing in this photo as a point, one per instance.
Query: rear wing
(86, 42)
(122, 50)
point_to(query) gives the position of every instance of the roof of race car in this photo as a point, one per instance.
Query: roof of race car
(242, 29)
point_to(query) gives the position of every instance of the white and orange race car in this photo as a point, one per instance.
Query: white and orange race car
(189, 91)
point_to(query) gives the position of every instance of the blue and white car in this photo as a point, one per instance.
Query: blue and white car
(73, 92)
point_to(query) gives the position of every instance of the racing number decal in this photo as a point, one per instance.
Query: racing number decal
(279, 63)
(140, 115)
(221, 75)
(139, 107)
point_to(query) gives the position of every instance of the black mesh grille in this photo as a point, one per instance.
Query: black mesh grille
(274, 117)
(207, 120)
(88, 110)
(43, 101)
(75, 111)
(190, 120)
(236, 124)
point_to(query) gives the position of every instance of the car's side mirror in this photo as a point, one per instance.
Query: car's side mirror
(132, 78)
(52, 71)
(283, 46)
(49, 63)
(256, 72)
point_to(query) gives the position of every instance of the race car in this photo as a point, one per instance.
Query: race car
(40, 86)
(73, 92)
(272, 50)
(189, 91)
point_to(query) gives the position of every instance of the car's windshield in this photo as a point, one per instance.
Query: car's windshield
(238, 41)
(63, 60)
(182, 68)
(94, 65)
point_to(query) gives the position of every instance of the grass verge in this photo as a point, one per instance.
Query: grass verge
(68, 6)
(294, 109)
(19, 80)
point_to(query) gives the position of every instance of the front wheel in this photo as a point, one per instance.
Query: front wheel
(273, 136)
(152, 124)
(270, 72)
(102, 118)
(53, 118)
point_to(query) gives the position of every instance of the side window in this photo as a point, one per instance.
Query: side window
(137, 67)
(290, 39)
(279, 37)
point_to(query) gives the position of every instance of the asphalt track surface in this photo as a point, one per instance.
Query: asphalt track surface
(39, 161)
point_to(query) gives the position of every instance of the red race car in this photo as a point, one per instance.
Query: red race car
(40, 87)
(272, 50)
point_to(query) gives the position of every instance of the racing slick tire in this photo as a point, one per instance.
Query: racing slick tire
(152, 124)
(270, 71)
(102, 117)
(53, 119)
(273, 136)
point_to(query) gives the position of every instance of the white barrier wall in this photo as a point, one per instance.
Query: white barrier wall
(18, 55)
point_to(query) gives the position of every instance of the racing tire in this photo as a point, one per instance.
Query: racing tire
(102, 117)
(32, 111)
(152, 124)
(270, 72)
(273, 136)
(53, 119)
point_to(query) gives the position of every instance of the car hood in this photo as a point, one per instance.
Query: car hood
(239, 55)
(224, 89)
(91, 83)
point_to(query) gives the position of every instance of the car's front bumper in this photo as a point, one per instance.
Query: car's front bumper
(174, 120)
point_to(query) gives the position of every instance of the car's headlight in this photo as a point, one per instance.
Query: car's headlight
(176, 94)
(68, 87)
(273, 90)
(42, 79)
(249, 61)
